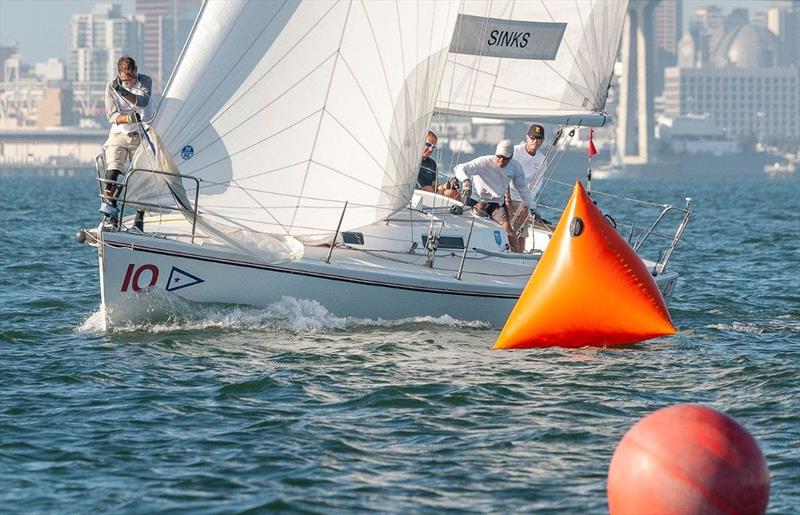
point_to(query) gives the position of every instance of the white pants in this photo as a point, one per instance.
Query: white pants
(119, 147)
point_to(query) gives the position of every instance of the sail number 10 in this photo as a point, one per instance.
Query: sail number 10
(133, 277)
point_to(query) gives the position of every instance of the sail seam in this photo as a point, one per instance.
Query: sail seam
(229, 156)
(235, 101)
(265, 106)
(324, 106)
(224, 76)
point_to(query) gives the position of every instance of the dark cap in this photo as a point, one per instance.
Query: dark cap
(536, 131)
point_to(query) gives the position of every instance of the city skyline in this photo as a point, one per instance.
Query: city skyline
(21, 22)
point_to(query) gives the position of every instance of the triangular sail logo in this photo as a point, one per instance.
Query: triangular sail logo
(181, 279)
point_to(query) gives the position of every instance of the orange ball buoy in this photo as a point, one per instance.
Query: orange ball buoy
(687, 459)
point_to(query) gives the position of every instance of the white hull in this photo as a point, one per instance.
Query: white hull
(356, 283)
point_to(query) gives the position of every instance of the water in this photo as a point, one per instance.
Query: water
(292, 409)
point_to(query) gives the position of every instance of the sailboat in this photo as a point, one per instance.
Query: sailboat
(288, 142)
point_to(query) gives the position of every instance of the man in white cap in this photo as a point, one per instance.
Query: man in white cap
(486, 181)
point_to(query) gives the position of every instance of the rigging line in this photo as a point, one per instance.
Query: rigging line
(454, 62)
(224, 75)
(323, 110)
(233, 102)
(596, 70)
(442, 254)
(230, 155)
(569, 49)
(241, 222)
(261, 206)
(260, 110)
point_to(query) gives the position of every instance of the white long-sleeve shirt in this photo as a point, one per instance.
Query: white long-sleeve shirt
(117, 105)
(489, 181)
(534, 172)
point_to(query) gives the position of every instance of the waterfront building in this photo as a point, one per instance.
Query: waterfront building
(742, 88)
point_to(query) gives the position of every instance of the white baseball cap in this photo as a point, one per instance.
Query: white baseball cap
(505, 148)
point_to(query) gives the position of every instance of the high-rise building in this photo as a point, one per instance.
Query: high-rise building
(98, 39)
(784, 22)
(666, 25)
(167, 24)
(667, 22)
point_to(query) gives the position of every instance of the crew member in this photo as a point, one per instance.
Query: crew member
(127, 103)
(532, 161)
(486, 182)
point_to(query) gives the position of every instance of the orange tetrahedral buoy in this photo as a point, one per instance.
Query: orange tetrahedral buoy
(589, 288)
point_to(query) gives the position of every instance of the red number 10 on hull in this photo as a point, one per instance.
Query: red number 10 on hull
(132, 277)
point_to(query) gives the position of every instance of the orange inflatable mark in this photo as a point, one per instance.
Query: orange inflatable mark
(589, 288)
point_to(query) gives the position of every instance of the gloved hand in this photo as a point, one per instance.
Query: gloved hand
(119, 88)
(467, 191)
(132, 118)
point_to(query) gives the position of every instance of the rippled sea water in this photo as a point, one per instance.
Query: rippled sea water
(225, 410)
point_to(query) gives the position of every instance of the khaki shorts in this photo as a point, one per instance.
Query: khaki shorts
(119, 148)
(519, 223)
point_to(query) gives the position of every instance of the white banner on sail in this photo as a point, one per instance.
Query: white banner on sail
(493, 71)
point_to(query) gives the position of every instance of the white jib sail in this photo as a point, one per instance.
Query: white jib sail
(549, 60)
(287, 110)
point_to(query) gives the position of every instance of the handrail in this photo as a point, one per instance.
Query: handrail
(336, 235)
(639, 240)
(124, 200)
(466, 247)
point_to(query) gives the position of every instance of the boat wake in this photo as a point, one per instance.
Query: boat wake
(158, 312)
(779, 325)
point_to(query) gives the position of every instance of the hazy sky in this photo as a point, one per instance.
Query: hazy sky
(42, 26)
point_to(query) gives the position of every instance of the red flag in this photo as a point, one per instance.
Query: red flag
(592, 148)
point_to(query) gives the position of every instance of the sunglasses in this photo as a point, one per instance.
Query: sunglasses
(535, 138)
(430, 145)
(504, 158)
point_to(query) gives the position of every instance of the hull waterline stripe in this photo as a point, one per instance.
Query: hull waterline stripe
(331, 277)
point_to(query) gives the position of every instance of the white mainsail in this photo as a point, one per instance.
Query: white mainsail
(549, 60)
(287, 110)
